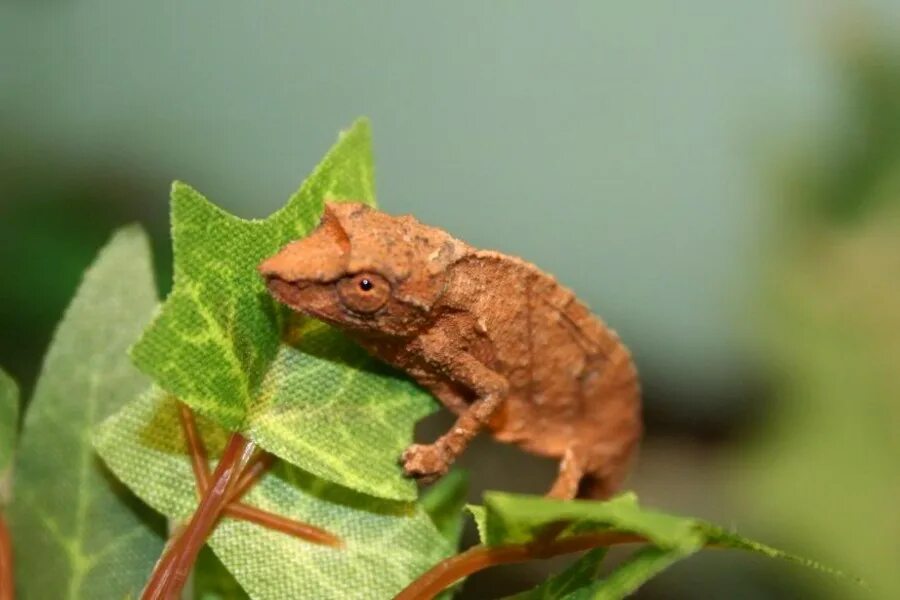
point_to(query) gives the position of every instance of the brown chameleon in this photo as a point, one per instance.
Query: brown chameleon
(496, 340)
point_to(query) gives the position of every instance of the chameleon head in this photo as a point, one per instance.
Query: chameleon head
(363, 270)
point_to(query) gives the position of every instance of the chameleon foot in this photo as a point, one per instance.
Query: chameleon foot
(425, 462)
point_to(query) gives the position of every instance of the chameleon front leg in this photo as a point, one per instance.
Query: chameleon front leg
(430, 461)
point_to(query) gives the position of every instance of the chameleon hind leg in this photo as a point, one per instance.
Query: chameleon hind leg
(577, 480)
(571, 472)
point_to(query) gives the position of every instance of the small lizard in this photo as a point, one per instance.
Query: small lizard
(499, 342)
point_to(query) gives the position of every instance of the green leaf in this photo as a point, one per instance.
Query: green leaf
(580, 574)
(479, 515)
(722, 538)
(387, 543)
(582, 580)
(212, 581)
(519, 519)
(224, 347)
(9, 425)
(77, 532)
(640, 568)
(444, 502)
(329, 408)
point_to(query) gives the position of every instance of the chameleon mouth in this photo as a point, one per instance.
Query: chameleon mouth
(306, 297)
(286, 292)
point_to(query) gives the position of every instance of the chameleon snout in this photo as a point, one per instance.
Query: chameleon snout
(278, 281)
(281, 264)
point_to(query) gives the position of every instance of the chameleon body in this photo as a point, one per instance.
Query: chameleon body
(499, 342)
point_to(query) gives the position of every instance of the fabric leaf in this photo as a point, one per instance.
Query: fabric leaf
(582, 580)
(212, 581)
(641, 567)
(444, 503)
(519, 519)
(77, 532)
(331, 409)
(300, 390)
(579, 575)
(9, 424)
(387, 543)
(479, 515)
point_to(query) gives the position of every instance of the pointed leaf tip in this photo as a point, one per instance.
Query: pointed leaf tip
(362, 126)
(180, 187)
(216, 344)
(129, 231)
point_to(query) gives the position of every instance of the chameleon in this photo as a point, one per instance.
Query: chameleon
(496, 340)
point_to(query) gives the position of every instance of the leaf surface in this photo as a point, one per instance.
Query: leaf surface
(641, 567)
(444, 502)
(9, 423)
(297, 388)
(387, 543)
(580, 574)
(331, 409)
(520, 519)
(583, 581)
(77, 532)
(212, 581)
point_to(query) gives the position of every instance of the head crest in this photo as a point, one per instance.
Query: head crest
(331, 222)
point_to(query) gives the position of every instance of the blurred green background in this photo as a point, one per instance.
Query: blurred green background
(721, 181)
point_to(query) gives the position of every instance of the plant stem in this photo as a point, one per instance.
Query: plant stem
(475, 559)
(234, 459)
(172, 570)
(197, 450)
(255, 469)
(239, 510)
(7, 583)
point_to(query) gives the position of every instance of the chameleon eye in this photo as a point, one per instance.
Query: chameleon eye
(364, 292)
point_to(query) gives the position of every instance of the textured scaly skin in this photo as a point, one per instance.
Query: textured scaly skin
(498, 341)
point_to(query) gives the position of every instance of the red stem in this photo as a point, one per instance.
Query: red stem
(255, 469)
(172, 570)
(239, 510)
(475, 559)
(257, 466)
(7, 583)
(199, 459)
(234, 459)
